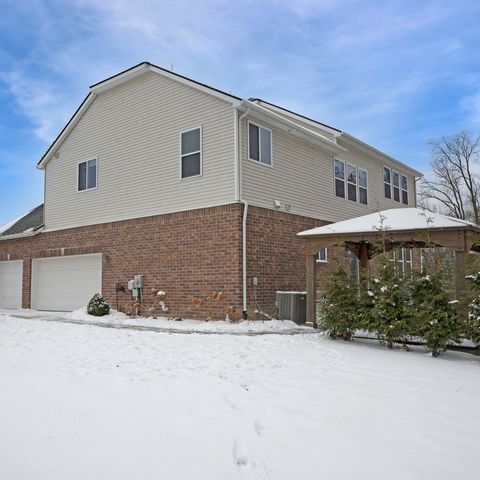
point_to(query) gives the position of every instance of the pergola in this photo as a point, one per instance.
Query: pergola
(401, 227)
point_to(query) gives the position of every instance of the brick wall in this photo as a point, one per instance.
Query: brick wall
(186, 254)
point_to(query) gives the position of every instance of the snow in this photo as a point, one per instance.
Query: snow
(392, 219)
(118, 318)
(8, 225)
(79, 401)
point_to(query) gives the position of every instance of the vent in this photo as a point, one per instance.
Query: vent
(292, 306)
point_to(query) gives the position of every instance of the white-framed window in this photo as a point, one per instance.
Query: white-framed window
(87, 175)
(387, 182)
(339, 171)
(322, 255)
(402, 257)
(396, 185)
(259, 144)
(191, 153)
(351, 182)
(404, 185)
(362, 186)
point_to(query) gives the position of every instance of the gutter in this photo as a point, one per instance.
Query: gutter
(238, 190)
(21, 235)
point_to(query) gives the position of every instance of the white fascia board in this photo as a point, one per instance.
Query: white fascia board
(21, 235)
(291, 127)
(300, 118)
(119, 79)
(68, 128)
(380, 156)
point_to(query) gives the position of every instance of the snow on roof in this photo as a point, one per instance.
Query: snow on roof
(29, 222)
(392, 219)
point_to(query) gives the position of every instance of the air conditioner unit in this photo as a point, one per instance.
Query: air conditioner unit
(292, 306)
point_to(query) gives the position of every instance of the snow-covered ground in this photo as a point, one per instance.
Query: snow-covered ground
(80, 401)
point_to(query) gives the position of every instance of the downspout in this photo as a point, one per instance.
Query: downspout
(238, 154)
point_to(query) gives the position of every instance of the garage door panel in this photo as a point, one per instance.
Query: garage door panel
(65, 283)
(11, 279)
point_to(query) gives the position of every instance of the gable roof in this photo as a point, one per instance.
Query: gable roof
(24, 225)
(123, 77)
(145, 67)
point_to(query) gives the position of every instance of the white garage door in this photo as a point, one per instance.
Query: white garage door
(11, 275)
(65, 283)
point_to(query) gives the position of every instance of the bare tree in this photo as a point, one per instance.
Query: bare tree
(454, 184)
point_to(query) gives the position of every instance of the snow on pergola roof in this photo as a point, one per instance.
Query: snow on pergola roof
(394, 219)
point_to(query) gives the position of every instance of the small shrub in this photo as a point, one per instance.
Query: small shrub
(340, 311)
(98, 306)
(434, 314)
(472, 324)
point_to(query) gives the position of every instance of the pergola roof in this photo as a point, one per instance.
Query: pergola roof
(392, 220)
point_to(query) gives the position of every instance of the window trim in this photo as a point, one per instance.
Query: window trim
(86, 179)
(259, 161)
(390, 184)
(326, 256)
(200, 127)
(402, 189)
(346, 163)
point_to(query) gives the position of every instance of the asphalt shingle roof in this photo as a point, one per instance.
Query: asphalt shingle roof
(32, 221)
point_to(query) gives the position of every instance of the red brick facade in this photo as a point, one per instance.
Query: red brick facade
(189, 255)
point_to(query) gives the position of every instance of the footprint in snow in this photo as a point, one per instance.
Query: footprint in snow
(240, 453)
(259, 427)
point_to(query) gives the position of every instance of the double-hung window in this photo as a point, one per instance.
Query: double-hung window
(362, 186)
(387, 182)
(259, 144)
(396, 185)
(191, 153)
(351, 182)
(340, 178)
(403, 262)
(87, 175)
(404, 189)
(322, 256)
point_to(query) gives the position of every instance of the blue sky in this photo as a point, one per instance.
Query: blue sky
(393, 73)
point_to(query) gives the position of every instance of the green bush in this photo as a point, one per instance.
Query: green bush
(339, 313)
(98, 306)
(472, 324)
(389, 318)
(434, 315)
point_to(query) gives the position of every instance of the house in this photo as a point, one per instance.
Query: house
(195, 189)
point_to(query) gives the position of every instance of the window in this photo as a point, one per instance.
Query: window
(351, 182)
(259, 144)
(387, 182)
(191, 153)
(354, 264)
(403, 261)
(87, 175)
(362, 186)
(322, 256)
(404, 189)
(340, 179)
(396, 185)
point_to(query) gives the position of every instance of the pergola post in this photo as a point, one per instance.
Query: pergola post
(460, 272)
(311, 291)
(363, 258)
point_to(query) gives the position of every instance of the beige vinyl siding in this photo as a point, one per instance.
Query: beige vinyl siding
(302, 176)
(134, 132)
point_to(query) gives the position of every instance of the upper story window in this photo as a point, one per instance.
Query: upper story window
(322, 256)
(404, 189)
(259, 144)
(87, 175)
(191, 153)
(387, 182)
(395, 185)
(351, 182)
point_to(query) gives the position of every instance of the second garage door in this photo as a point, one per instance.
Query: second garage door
(11, 275)
(65, 283)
